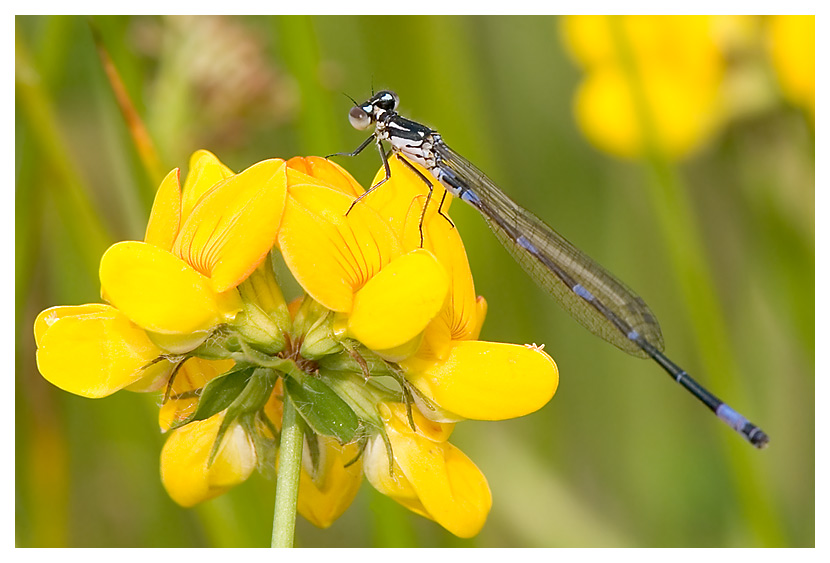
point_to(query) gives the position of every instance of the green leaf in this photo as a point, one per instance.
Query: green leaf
(322, 409)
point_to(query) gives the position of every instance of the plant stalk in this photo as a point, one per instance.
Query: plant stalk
(288, 477)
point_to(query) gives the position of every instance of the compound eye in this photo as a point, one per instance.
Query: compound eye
(387, 101)
(395, 100)
(359, 119)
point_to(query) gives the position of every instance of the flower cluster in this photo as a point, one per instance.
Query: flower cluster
(380, 355)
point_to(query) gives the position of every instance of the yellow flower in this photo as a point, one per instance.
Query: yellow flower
(327, 485)
(189, 287)
(197, 306)
(652, 83)
(187, 471)
(792, 47)
(188, 474)
(378, 267)
(166, 294)
(353, 264)
(427, 474)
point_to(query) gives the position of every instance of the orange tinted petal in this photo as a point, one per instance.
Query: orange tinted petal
(326, 172)
(332, 254)
(234, 225)
(403, 190)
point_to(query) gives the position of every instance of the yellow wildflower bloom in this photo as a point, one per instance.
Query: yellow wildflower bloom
(96, 350)
(353, 264)
(186, 471)
(328, 487)
(427, 474)
(386, 280)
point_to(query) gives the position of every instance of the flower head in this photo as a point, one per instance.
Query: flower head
(379, 356)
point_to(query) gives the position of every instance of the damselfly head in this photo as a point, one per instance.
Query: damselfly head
(363, 115)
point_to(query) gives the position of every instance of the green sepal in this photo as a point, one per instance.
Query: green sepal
(219, 394)
(309, 314)
(356, 358)
(361, 396)
(322, 409)
(319, 340)
(248, 402)
(315, 456)
(266, 441)
(221, 345)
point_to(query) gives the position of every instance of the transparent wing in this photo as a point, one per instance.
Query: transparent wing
(595, 298)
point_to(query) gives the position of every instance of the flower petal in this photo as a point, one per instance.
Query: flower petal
(458, 319)
(165, 218)
(429, 476)
(235, 224)
(332, 254)
(205, 172)
(185, 472)
(326, 493)
(94, 350)
(486, 380)
(404, 190)
(398, 303)
(325, 172)
(161, 293)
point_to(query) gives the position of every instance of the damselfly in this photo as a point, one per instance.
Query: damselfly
(595, 298)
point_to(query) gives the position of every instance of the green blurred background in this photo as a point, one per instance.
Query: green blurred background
(620, 457)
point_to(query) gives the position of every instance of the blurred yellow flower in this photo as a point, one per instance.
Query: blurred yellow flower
(792, 47)
(652, 82)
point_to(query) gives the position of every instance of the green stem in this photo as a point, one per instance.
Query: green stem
(688, 257)
(288, 477)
